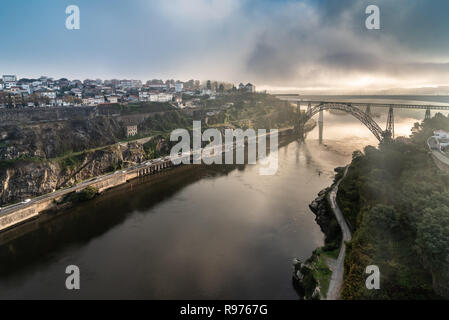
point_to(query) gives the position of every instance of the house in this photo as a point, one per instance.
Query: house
(250, 88)
(442, 139)
(9, 78)
(206, 92)
(161, 97)
(48, 93)
(89, 101)
(112, 99)
(131, 131)
(144, 96)
(133, 98)
(99, 99)
(441, 134)
(179, 87)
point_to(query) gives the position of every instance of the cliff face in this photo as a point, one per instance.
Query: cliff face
(30, 179)
(44, 150)
(326, 220)
(26, 180)
(52, 139)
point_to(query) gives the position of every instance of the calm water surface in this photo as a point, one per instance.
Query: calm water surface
(191, 233)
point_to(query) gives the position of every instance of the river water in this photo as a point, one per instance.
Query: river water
(201, 232)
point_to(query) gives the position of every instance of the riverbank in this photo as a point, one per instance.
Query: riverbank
(336, 281)
(14, 215)
(316, 273)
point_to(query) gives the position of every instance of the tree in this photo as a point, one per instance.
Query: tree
(433, 243)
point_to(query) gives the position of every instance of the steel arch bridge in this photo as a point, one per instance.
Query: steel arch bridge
(362, 116)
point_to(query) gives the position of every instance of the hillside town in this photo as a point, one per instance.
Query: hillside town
(48, 92)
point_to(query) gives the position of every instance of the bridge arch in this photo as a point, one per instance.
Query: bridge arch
(362, 116)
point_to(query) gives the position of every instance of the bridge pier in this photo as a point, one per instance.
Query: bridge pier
(368, 109)
(299, 123)
(390, 122)
(321, 126)
(428, 115)
(309, 106)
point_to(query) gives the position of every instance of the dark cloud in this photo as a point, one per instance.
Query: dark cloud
(328, 40)
(352, 61)
(266, 59)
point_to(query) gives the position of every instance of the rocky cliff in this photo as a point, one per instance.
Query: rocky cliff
(27, 179)
(326, 220)
(52, 139)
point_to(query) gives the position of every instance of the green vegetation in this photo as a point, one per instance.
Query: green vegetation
(333, 232)
(251, 111)
(316, 272)
(165, 123)
(152, 147)
(397, 203)
(321, 271)
(135, 108)
(23, 158)
(85, 195)
(72, 160)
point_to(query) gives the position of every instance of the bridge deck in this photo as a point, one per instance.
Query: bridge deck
(372, 104)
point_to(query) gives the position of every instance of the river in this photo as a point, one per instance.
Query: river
(201, 232)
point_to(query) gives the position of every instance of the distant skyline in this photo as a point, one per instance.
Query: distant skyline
(308, 46)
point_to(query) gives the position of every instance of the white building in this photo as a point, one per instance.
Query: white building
(27, 88)
(442, 138)
(179, 86)
(99, 99)
(441, 134)
(161, 97)
(93, 101)
(144, 96)
(9, 78)
(49, 94)
(126, 83)
(205, 92)
(112, 99)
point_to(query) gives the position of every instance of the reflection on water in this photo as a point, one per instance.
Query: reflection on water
(204, 232)
(207, 232)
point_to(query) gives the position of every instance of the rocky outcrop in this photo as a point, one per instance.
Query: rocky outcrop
(320, 208)
(326, 220)
(53, 139)
(304, 282)
(24, 179)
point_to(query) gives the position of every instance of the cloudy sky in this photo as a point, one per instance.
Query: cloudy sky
(304, 45)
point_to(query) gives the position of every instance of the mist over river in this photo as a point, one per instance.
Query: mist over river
(201, 232)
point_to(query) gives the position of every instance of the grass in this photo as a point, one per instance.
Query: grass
(321, 272)
(23, 158)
